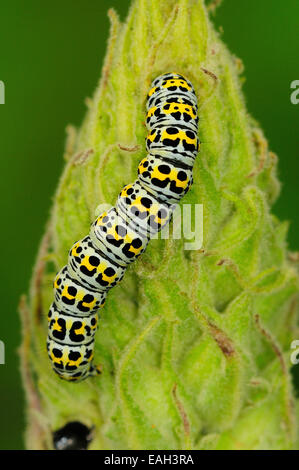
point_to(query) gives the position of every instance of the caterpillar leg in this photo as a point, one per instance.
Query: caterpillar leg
(95, 370)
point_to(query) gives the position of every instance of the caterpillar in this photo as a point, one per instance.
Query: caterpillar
(120, 235)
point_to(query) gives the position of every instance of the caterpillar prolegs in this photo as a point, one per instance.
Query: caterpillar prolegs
(117, 237)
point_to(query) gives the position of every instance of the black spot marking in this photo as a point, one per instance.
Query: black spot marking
(172, 130)
(182, 176)
(109, 272)
(72, 290)
(94, 261)
(146, 202)
(164, 169)
(74, 355)
(190, 134)
(75, 337)
(57, 353)
(136, 243)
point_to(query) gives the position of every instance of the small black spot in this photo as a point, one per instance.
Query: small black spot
(57, 365)
(136, 243)
(172, 130)
(182, 176)
(164, 169)
(72, 290)
(146, 202)
(94, 261)
(87, 354)
(74, 355)
(109, 272)
(157, 138)
(88, 298)
(190, 134)
(57, 353)
(72, 436)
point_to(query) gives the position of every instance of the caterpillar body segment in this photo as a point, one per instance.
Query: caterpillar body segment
(120, 235)
(173, 142)
(165, 86)
(167, 180)
(90, 267)
(172, 110)
(136, 204)
(71, 362)
(73, 298)
(71, 329)
(119, 240)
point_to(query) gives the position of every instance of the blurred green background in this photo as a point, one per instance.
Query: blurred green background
(51, 57)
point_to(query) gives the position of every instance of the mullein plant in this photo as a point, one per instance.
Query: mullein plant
(194, 344)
